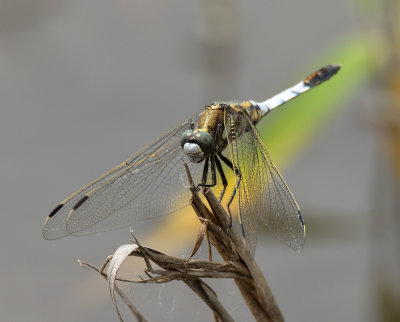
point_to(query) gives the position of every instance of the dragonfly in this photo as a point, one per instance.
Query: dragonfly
(222, 140)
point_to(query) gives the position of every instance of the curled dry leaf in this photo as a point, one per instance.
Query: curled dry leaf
(119, 256)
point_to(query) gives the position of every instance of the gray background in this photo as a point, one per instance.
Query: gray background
(84, 84)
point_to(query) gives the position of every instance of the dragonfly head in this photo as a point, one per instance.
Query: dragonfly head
(197, 144)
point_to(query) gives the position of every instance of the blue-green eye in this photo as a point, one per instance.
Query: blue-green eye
(186, 136)
(206, 142)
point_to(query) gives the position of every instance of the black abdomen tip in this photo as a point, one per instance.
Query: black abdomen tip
(321, 75)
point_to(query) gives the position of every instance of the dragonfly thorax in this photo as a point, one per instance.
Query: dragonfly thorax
(197, 144)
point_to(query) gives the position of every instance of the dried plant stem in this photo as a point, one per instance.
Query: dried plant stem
(231, 247)
(139, 317)
(229, 244)
(238, 264)
(191, 273)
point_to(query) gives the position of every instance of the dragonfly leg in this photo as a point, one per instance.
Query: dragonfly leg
(223, 178)
(226, 160)
(238, 179)
(213, 173)
(205, 174)
(205, 171)
(230, 165)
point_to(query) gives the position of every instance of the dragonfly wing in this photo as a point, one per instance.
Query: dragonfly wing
(147, 185)
(262, 191)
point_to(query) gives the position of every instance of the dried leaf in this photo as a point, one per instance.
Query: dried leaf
(200, 237)
(119, 256)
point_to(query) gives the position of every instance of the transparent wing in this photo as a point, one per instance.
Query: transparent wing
(262, 192)
(149, 184)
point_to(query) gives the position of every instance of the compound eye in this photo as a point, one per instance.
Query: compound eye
(206, 142)
(186, 135)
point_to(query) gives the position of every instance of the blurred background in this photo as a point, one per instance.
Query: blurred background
(85, 84)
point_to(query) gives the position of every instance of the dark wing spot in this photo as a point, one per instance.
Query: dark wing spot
(80, 202)
(321, 75)
(300, 217)
(55, 210)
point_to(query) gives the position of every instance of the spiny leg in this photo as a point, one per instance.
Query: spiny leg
(205, 171)
(217, 138)
(223, 178)
(205, 174)
(213, 173)
(236, 170)
(238, 179)
(230, 165)
(226, 160)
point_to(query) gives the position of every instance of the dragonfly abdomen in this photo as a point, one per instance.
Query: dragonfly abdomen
(253, 111)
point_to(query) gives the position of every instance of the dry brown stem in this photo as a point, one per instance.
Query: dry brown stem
(232, 249)
(238, 264)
